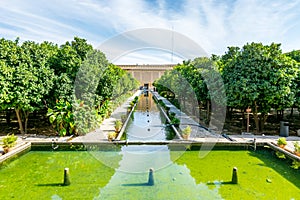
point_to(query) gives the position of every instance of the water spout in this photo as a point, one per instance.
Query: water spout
(54, 145)
(234, 178)
(151, 178)
(66, 177)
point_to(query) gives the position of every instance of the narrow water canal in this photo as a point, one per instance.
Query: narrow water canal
(147, 123)
(130, 178)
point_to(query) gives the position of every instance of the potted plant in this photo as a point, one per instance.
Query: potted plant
(118, 125)
(8, 142)
(111, 136)
(281, 142)
(297, 148)
(168, 109)
(171, 115)
(186, 132)
(175, 121)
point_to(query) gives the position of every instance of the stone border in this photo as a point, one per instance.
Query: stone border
(17, 150)
(166, 116)
(284, 151)
(126, 122)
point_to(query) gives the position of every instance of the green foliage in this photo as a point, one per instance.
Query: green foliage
(295, 55)
(62, 118)
(193, 84)
(297, 146)
(260, 77)
(88, 76)
(170, 134)
(187, 79)
(295, 164)
(133, 102)
(172, 115)
(280, 155)
(115, 82)
(76, 119)
(9, 141)
(25, 77)
(105, 109)
(281, 141)
(86, 118)
(112, 135)
(118, 125)
(175, 121)
(187, 131)
(35, 76)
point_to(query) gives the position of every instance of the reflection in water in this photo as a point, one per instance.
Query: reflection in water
(172, 181)
(147, 122)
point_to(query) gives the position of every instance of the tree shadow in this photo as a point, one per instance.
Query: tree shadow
(135, 184)
(50, 185)
(221, 183)
(281, 166)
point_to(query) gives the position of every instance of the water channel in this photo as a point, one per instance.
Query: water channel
(132, 174)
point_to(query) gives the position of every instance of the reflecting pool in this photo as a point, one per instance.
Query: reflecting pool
(39, 175)
(121, 172)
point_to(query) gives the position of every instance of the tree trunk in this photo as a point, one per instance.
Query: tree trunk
(292, 112)
(199, 109)
(208, 111)
(263, 119)
(19, 121)
(256, 120)
(7, 116)
(279, 115)
(243, 119)
(26, 121)
(255, 116)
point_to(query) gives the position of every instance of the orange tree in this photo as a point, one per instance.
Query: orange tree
(260, 77)
(25, 77)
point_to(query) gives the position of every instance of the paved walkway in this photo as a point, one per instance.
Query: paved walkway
(185, 120)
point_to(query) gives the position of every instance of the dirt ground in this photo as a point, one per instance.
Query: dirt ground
(38, 124)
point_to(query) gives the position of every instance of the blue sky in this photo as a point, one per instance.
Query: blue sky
(212, 24)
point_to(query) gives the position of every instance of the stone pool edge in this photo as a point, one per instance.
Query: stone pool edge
(24, 147)
(18, 150)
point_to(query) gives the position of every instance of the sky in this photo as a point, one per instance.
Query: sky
(213, 25)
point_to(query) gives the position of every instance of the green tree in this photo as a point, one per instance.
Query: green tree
(25, 79)
(260, 77)
(296, 56)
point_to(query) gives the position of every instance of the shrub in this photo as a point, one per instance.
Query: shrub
(281, 141)
(171, 115)
(112, 135)
(62, 118)
(297, 147)
(187, 131)
(175, 121)
(86, 118)
(118, 125)
(9, 141)
(76, 119)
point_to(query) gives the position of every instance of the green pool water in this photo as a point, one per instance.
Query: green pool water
(39, 175)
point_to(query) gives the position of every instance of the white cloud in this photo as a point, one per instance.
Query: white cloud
(148, 56)
(212, 24)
